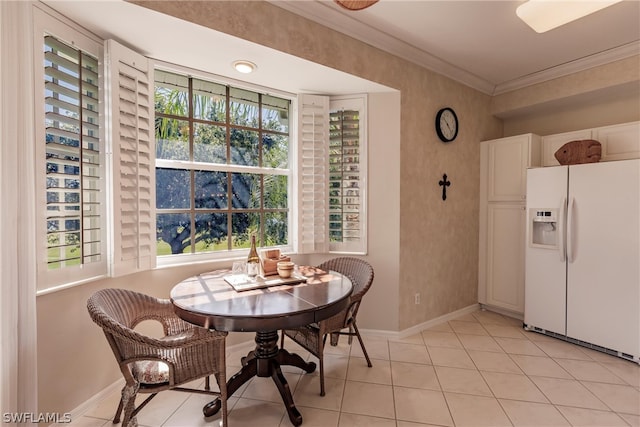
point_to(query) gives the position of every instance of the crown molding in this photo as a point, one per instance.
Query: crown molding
(328, 15)
(602, 58)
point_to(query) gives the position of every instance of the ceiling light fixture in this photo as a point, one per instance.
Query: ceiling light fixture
(244, 67)
(356, 4)
(545, 15)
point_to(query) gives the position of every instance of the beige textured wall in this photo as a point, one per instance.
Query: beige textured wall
(584, 116)
(439, 238)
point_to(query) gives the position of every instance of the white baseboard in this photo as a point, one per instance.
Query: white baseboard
(93, 401)
(502, 311)
(422, 326)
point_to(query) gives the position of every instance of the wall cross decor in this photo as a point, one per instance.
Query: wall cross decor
(444, 183)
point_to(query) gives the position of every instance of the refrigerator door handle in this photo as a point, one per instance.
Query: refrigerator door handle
(570, 221)
(561, 229)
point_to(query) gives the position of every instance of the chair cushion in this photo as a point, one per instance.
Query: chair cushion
(151, 372)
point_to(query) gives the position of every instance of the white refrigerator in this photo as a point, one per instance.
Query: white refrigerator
(582, 270)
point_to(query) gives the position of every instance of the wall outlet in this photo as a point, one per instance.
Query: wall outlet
(417, 298)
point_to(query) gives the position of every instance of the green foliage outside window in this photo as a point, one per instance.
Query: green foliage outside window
(196, 204)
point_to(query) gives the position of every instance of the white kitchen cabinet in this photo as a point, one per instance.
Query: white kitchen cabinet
(507, 163)
(551, 144)
(505, 256)
(503, 167)
(619, 142)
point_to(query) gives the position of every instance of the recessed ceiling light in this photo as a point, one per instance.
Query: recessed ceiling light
(244, 67)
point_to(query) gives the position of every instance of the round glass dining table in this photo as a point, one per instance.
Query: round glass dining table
(208, 300)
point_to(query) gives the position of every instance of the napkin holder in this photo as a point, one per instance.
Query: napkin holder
(270, 259)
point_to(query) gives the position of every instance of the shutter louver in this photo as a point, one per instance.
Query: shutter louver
(344, 177)
(133, 162)
(313, 139)
(73, 157)
(347, 175)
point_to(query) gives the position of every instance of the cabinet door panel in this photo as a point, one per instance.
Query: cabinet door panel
(507, 167)
(505, 256)
(551, 144)
(619, 142)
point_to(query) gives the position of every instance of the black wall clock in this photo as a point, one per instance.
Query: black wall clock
(446, 124)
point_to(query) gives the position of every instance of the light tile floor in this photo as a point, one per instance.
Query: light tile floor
(481, 369)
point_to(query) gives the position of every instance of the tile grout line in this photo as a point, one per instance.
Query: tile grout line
(477, 369)
(393, 388)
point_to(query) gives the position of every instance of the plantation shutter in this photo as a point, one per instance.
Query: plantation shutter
(347, 175)
(132, 158)
(313, 140)
(74, 219)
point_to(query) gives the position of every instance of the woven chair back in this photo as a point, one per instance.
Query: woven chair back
(360, 272)
(116, 308)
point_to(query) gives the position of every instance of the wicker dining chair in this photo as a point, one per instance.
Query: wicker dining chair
(149, 365)
(314, 336)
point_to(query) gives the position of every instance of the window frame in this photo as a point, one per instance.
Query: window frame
(224, 255)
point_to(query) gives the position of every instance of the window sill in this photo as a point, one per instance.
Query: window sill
(64, 286)
(169, 261)
(356, 253)
(222, 260)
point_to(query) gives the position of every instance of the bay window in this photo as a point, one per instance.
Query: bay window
(186, 166)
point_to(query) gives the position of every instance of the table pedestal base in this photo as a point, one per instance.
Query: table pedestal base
(265, 361)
